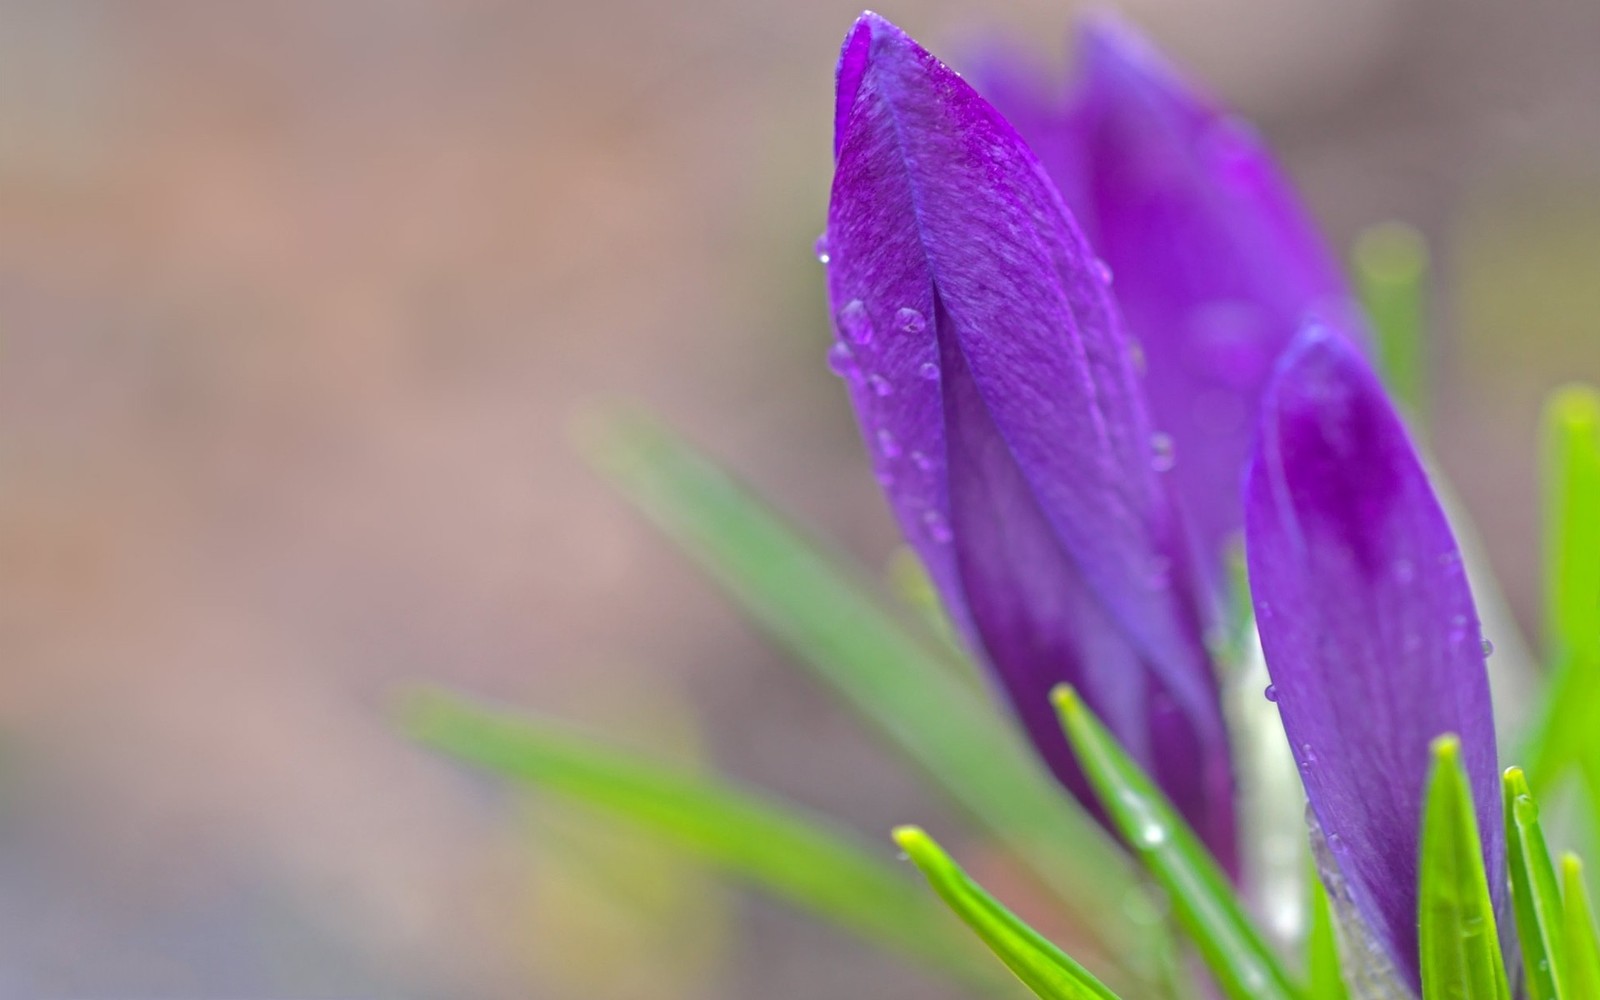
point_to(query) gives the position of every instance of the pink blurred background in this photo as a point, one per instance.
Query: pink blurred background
(297, 301)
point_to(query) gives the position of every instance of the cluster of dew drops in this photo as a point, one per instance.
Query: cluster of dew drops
(856, 331)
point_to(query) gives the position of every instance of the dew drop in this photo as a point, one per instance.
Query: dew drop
(1163, 455)
(1271, 692)
(909, 320)
(1102, 270)
(1488, 648)
(938, 530)
(880, 386)
(842, 361)
(921, 460)
(929, 371)
(1335, 842)
(854, 322)
(1152, 834)
(1307, 755)
(821, 248)
(887, 443)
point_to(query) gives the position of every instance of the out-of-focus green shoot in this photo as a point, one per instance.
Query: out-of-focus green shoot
(781, 850)
(1324, 972)
(1391, 270)
(1041, 966)
(1566, 729)
(1459, 945)
(818, 606)
(1535, 896)
(1209, 912)
(1580, 938)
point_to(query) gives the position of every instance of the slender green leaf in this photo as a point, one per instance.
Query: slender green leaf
(1535, 895)
(1460, 946)
(1564, 730)
(1572, 531)
(1324, 972)
(792, 855)
(1045, 969)
(1205, 904)
(1581, 940)
(820, 608)
(1391, 268)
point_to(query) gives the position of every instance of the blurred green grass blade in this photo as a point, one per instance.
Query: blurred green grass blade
(1580, 937)
(1535, 896)
(1391, 269)
(820, 608)
(1572, 527)
(1042, 967)
(1324, 971)
(1564, 730)
(1208, 911)
(777, 848)
(1460, 946)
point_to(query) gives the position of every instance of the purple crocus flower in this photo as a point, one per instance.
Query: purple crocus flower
(1368, 626)
(1217, 263)
(999, 398)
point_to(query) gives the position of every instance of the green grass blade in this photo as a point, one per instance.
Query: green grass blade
(821, 609)
(789, 854)
(1391, 270)
(1324, 970)
(1535, 896)
(1571, 462)
(1460, 946)
(1042, 967)
(1580, 938)
(1572, 531)
(1207, 909)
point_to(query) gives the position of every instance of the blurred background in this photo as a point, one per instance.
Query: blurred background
(297, 302)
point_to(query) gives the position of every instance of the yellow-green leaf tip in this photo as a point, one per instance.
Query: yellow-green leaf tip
(1392, 252)
(1446, 749)
(1065, 698)
(1575, 405)
(1516, 782)
(922, 849)
(1571, 867)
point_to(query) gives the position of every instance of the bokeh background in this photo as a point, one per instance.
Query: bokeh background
(297, 303)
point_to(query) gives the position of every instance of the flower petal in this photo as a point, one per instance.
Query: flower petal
(986, 362)
(1368, 627)
(1216, 263)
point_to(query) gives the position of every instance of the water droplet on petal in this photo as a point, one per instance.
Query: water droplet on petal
(929, 371)
(1102, 270)
(821, 248)
(1307, 755)
(1152, 834)
(1488, 648)
(938, 530)
(909, 320)
(854, 323)
(921, 460)
(1162, 453)
(880, 385)
(887, 443)
(1271, 692)
(842, 361)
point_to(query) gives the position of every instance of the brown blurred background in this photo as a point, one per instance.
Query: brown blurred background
(296, 302)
